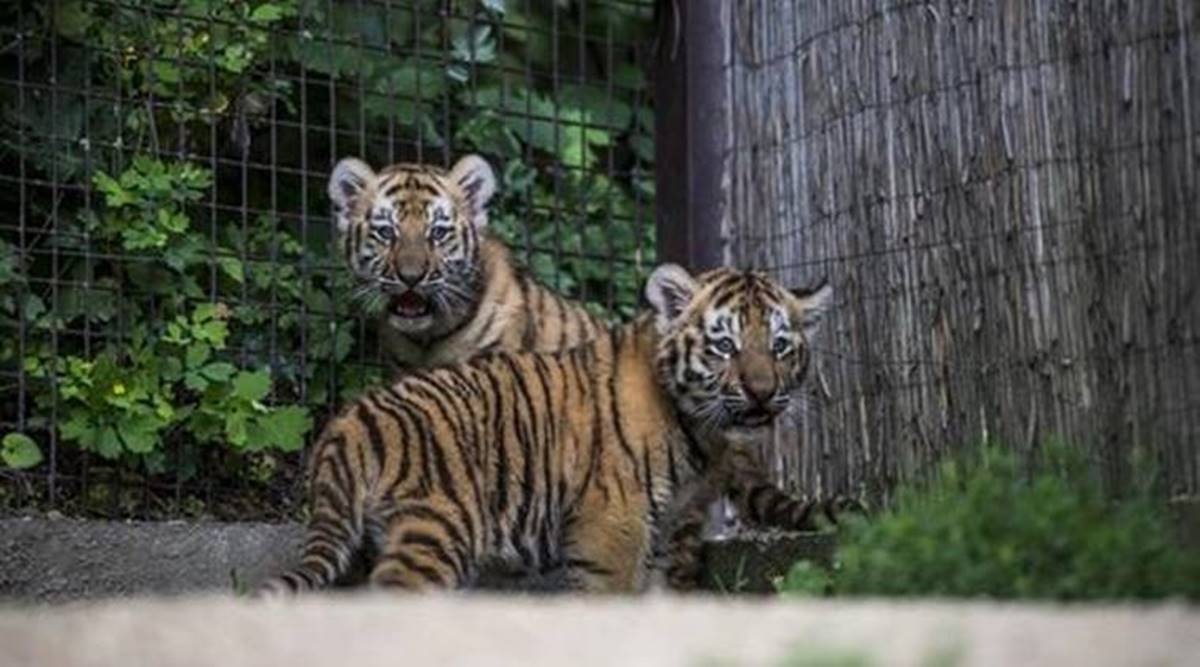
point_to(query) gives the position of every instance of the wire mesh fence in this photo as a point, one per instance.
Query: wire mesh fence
(168, 297)
(1004, 196)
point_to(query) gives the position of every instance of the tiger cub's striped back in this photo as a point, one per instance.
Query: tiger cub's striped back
(575, 459)
(416, 239)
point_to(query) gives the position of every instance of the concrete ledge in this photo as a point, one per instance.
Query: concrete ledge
(381, 629)
(56, 560)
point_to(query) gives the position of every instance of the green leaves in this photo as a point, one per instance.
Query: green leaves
(582, 119)
(115, 406)
(235, 58)
(284, 428)
(127, 402)
(19, 451)
(198, 377)
(232, 267)
(219, 372)
(806, 580)
(115, 196)
(71, 19)
(248, 425)
(268, 13)
(206, 326)
(146, 206)
(139, 432)
(252, 387)
(988, 527)
(197, 354)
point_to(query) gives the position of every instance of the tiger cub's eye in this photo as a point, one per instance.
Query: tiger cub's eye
(385, 232)
(723, 346)
(781, 346)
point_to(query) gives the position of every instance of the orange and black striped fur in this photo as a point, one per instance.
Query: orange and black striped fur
(416, 239)
(575, 459)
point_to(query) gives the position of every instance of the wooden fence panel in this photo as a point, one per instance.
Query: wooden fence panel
(1005, 196)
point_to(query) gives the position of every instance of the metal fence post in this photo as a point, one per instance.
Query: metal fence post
(692, 137)
(692, 133)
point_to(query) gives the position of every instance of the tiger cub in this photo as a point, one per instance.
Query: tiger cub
(575, 459)
(416, 238)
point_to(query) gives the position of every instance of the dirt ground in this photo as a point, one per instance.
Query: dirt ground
(364, 630)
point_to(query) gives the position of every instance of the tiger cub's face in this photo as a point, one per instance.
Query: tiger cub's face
(411, 235)
(733, 345)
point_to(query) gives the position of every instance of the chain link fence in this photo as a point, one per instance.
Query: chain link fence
(175, 325)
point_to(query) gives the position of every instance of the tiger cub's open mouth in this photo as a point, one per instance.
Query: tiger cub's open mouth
(409, 305)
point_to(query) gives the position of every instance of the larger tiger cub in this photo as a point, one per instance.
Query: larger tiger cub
(575, 459)
(416, 238)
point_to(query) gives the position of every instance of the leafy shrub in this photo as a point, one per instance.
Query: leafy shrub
(986, 528)
(172, 375)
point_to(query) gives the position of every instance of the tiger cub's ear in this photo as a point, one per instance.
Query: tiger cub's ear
(669, 290)
(473, 174)
(810, 307)
(351, 178)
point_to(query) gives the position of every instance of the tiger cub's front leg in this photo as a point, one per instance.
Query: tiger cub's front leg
(760, 502)
(684, 532)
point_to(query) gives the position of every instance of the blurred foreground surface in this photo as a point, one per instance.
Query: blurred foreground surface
(380, 629)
